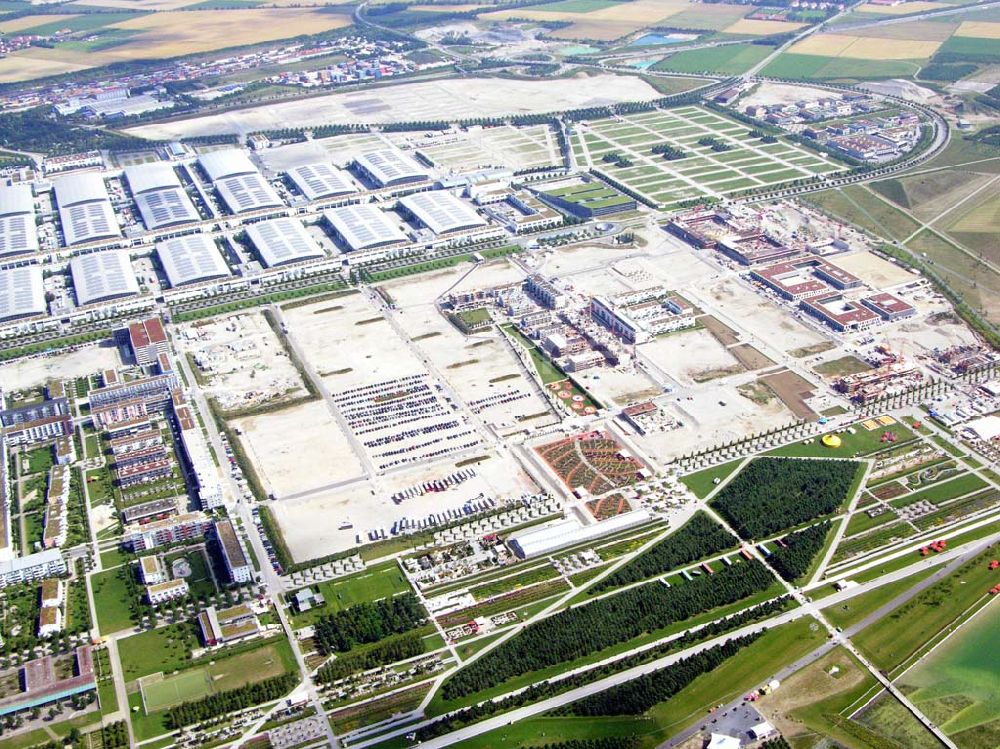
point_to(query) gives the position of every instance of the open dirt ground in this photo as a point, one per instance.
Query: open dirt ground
(445, 99)
(865, 48)
(26, 373)
(242, 359)
(690, 357)
(311, 525)
(878, 272)
(298, 449)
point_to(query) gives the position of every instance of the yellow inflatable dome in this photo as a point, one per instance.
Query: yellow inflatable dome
(831, 440)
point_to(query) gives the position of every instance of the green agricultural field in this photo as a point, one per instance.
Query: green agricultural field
(731, 59)
(86, 22)
(382, 581)
(818, 67)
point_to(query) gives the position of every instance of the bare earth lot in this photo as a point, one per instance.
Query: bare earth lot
(437, 100)
(299, 448)
(25, 373)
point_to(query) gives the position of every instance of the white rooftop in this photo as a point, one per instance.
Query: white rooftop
(101, 276)
(226, 163)
(442, 212)
(21, 292)
(548, 537)
(282, 241)
(16, 199)
(391, 166)
(83, 187)
(89, 221)
(143, 177)
(321, 180)
(191, 258)
(166, 206)
(985, 427)
(247, 192)
(364, 226)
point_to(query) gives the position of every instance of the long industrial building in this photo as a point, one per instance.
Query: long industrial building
(17, 220)
(549, 537)
(103, 276)
(192, 258)
(160, 196)
(283, 241)
(240, 186)
(390, 167)
(21, 292)
(363, 227)
(84, 208)
(441, 212)
(321, 181)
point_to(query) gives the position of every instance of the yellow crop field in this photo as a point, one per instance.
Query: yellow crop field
(761, 28)
(27, 22)
(917, 6)
(441, 8)
(605, 24)
(932, 31)
(863, 48)
(980, 29)
(24, 67)
(174, 33)
(137, 4)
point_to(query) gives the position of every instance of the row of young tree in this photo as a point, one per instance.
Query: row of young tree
(668, 152)
(792, 560)
(580, 631)
(368, 622)
(714, 143)
(544, 689)
(639, 695)
(772, 494)
(393, 649)
(223, 703)
(698, 538)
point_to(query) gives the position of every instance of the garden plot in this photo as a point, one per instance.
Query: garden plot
(242, 360)
(312, 525)
(594, 461)
(477, 148)
(298, 449)
(739, 162)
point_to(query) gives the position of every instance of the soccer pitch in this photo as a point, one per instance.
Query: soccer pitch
(745, 163)
(160, 693)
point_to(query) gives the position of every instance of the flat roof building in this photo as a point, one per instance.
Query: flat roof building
(247, 192)
(192, 258)
(390, 167)
(889, 306)
(321, 180)
(85, 209)
(283, 241)
(441, 212)
(102, 276)
(148, 340)
(363, 227)
(237, 564)
(227, 162)
(17, 220)
(840, 313)
(159, 195)
(22, 293)
(47, 563)
(549, 537)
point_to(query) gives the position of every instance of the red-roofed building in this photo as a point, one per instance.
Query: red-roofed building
(889, 306)
(839, 313)
(148, 340)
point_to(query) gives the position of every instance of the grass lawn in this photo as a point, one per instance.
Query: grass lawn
(862, 442)
(546, 370)
(748, 668)
(107, 697)
(840, 367)
(39, 460)
(114, 557)
(111, 599)
(703, 482)
(897, 637)
(382, 581)
(855, 609)
(164, 649)
(860, 206)
(145, 726)
(200, 579)
(938, 493)
(186, 686)
(860, 522)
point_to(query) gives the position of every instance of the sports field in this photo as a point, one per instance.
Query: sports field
(734, 162)
(159, 693)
